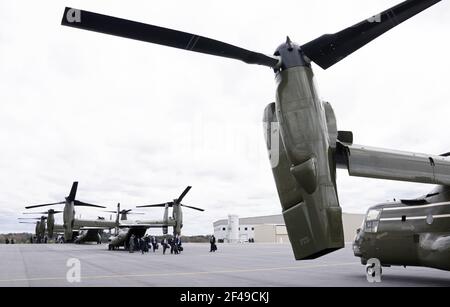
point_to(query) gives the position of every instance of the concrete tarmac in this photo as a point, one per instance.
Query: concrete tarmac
(233, 265)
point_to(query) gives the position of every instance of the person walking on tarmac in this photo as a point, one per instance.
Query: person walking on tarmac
(154, 243)
(176, 245)
(165, 245)
(131, 244)
(171, 243)
(142, 245)
(146, 243)
(212, 241)
(136, 243)
(179, 247)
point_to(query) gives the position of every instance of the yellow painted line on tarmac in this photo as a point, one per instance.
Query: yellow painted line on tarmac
(185, 273)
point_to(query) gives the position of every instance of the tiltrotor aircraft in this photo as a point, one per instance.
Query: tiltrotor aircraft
(177, 213)
(42, 226)
(408, 232)
(138, 228)
(308, 147)
(39, 228)
(70, 224)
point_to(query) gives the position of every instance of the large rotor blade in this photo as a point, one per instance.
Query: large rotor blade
(43, 212)
(82, 204)
(195, 208)
(44, 205)
(170, 204)
(329, 49)
(162, 36)
(73, 191)
(180, 198)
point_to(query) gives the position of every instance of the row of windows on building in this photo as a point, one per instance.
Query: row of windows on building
(246, 228)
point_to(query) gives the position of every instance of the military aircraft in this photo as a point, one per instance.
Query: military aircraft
(90, 234)
(177, 213)
(123, 213)
(80, 234)
(124, 228)
(138, 228)
(39, 228)
(70, 223)
(408, 232)
(302, 136)
(50, 218)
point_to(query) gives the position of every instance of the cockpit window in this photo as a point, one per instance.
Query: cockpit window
(372, 220)
(373, 215)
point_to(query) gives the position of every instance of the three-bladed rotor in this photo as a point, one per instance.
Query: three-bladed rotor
(325, 50)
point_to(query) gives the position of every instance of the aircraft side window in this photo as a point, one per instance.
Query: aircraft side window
(372, 221)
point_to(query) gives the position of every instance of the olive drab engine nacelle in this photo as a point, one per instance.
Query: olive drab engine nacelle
(51, 223)
(68, 220)
(306, 187)
(37, 231)
(177, 215)
(165, 229)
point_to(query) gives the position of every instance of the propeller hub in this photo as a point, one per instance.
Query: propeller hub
(291, 55)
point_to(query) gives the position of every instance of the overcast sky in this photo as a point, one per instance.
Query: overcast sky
(136, 123)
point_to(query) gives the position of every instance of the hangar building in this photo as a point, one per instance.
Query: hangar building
(270, 228)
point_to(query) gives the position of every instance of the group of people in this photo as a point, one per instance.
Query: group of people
(8, 241)
(38, 239)
(147, 243)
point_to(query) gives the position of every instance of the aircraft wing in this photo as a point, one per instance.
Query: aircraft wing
(137, 225)
(371, 162)
(95, 228)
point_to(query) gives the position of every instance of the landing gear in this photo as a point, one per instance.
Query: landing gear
(370, 270)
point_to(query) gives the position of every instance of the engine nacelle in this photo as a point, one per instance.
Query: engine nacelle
(50, 224)
(310, 208)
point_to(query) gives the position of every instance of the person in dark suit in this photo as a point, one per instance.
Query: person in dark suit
(179, 247)
(171, 243)
(154, 243)
(131, 244)
(212, 241)
(146, 243)
(175, 245)
(165, 245)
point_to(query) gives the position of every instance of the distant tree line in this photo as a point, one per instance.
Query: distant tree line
(23, 237)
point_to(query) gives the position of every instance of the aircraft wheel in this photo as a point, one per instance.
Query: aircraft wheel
(370, 270)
